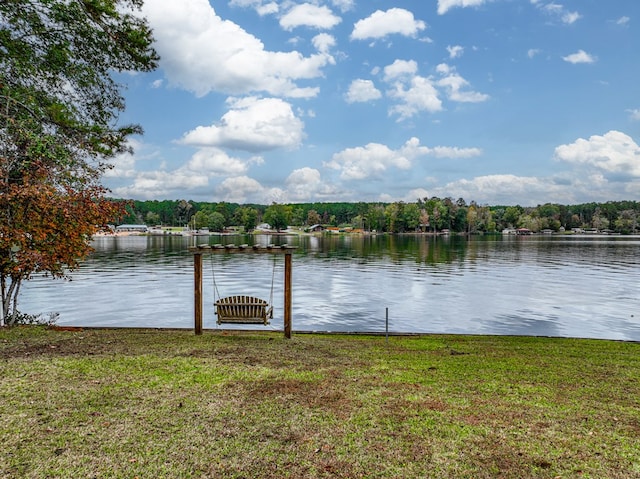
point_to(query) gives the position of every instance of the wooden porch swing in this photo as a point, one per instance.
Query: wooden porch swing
(242, 309)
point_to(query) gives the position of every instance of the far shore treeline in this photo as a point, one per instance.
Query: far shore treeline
(424, 215)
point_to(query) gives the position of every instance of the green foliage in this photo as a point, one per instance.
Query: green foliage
(278, 216)
(428, 215)
(59, 109)
(18, 318)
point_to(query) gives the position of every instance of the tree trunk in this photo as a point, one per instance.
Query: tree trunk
(9, 300)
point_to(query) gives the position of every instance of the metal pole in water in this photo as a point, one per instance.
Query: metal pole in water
(386, 325)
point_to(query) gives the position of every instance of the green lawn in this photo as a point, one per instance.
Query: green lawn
(155, 404)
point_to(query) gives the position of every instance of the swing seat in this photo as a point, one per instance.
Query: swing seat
(243, 310)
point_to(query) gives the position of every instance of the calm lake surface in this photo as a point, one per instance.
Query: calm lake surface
(572, 286)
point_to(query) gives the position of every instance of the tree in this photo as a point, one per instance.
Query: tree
(313, 218)
(152, 218)
(246, 217)
(216, 221)
(512, 216)
(278, 216)
(627, 222)
(59, 107)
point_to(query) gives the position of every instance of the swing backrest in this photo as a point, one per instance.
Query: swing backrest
(243, 310)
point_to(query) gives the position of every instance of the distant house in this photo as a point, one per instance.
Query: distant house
(132, 229)
(314, 228)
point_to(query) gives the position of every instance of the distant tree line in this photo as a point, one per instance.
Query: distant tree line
(425, 215)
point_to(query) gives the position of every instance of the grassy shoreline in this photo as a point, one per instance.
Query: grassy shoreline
(150, 403)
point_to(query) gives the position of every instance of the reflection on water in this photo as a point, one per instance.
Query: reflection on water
(551, 286)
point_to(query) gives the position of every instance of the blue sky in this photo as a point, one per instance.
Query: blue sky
(498, 101)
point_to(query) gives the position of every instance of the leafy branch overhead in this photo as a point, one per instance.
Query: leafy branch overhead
(59, 110)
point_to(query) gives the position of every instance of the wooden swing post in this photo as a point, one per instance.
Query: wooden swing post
(197, 276)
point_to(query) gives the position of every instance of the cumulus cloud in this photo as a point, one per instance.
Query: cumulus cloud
(200, 52)
(579, 57)
(215, 162)
(416, 95)
(241, 189)
(374, 159)
(381, 24)
(614, 153)
(323, 42)
(455, 86)
(362, 91)
(193, 176)
(305, 184)
(309, 15)
(400, 69)
(157, 184)
(455, 51)
(124, 164)
(367, 161)
(502, 189)
(445, 5)
(413, 92)
(252, 124)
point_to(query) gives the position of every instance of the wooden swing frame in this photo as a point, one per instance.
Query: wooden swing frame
(199, 250)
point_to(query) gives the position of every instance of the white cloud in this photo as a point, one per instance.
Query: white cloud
(454, 84)
(557, 11)
(306, 184)
(623, 21)
(323, 42)
(419, 94)
(416, 93)
(124, 164)
(502, 189)
(362, 91)
(570, 17)
(400, 69)
(579, 57)
(193, 176)
(344, 5)
(445, 5)
(380, 24)
(252, 124)
(455, 51)
(532, 52)
(374, 159)
(612, 153)
(201, 52)
(260, 6)
(634, 114)
(215, 162)
(309, 15)
(454, 152)
(241, 189)
(159, 184)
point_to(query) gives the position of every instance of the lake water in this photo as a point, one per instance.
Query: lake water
(570, 286)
